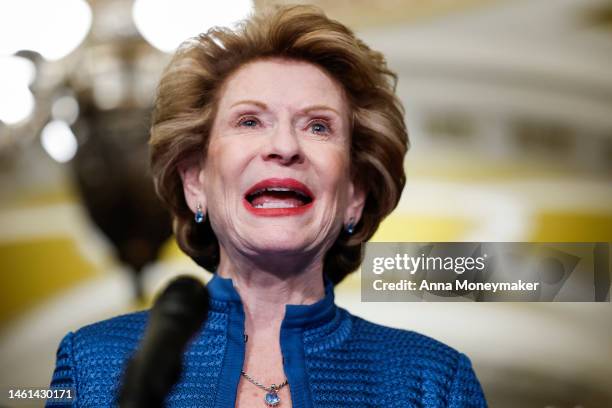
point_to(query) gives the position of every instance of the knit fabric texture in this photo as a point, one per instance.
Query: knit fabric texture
(331, 359)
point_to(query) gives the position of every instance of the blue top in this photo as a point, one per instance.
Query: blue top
(331, 359)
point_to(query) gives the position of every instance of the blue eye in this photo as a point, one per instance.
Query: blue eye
(248, 122)
(318, 127)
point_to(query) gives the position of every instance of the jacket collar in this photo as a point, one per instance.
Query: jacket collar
(296, 316)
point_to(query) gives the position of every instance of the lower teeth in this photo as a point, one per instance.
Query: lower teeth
(274, 205)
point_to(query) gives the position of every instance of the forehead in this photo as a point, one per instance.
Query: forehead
(283, 83)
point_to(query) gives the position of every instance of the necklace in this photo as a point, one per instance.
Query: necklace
(271, 399)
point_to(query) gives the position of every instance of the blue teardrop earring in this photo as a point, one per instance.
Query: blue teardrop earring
(350, 228)
(199, 215)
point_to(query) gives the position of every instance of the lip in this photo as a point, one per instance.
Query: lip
(276, 212)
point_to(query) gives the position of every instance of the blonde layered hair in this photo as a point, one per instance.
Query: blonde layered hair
(186, 104)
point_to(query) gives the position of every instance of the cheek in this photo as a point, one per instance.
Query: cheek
(334, 170)
(225, 163)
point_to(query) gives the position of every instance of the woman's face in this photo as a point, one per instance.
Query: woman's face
(276, 176)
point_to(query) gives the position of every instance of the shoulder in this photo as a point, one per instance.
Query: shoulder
(118, 329)
(402, 343)
(110, 337)
(91, 359)
(407, 353)
(426, 368)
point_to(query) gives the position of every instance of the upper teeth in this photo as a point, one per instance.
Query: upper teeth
(278, 189)
(275, 205)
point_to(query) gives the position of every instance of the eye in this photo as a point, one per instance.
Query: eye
(247, 121)
(319, 127)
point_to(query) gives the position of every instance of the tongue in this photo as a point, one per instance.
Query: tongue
(277, 200)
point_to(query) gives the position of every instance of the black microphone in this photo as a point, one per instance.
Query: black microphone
(177, 314)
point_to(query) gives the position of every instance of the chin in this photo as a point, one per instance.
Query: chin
(278, 240)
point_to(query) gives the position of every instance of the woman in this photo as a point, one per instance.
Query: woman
(278, 148)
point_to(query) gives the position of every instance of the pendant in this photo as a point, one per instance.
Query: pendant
(272, 399)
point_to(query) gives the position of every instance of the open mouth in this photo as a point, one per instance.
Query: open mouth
(278, 197)
(279, 194)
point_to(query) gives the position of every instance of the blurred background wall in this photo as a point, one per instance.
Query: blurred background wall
(509, 108)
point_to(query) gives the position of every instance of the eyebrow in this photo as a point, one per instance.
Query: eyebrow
(251, 102)
(321, 107)
(263, 106)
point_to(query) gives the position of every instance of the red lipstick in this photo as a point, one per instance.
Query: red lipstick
(275, 197)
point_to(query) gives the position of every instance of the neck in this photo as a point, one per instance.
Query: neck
(266, 286)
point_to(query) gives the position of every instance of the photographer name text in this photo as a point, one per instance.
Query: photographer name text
(458, 285)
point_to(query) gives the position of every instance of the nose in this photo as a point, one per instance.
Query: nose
(283, 146)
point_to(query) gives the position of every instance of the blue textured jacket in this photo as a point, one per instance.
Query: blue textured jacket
(331, 359)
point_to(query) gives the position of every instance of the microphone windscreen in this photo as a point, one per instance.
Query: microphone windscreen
(179, 311)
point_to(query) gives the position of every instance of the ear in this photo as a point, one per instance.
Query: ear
(192, 176)
(356, 202)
